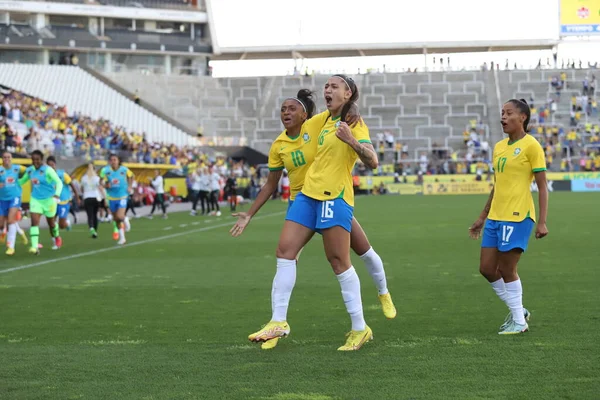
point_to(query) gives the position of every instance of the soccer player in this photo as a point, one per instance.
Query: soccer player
(509, 214)
(46, 188)
(66, 195)
(117, 180)
(324, 204)
(10, 199)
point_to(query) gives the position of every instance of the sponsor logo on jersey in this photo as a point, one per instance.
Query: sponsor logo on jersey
(35, 181)
(115, 181)
(10, 180)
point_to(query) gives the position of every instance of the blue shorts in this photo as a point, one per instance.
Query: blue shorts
(6, 205)
(505, 236)
(115, 205)
(62, 210)
(317, 215)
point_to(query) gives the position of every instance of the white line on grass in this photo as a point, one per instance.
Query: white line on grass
(145, 241)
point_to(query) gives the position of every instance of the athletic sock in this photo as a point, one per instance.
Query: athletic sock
(283, 284)
(12, 236)
(34, 234)
(514, 300)
(375, 267)
(350, 284)
(500, 288)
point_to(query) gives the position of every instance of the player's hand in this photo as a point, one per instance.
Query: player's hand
(541, 231)
(56, 199)
(475, 229)
(353, 117)
(344, 133)
(241, 224)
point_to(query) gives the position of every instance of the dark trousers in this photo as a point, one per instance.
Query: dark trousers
(159, 199)
(202, 196)
(91, 208)
(214, 200)
(130, 206)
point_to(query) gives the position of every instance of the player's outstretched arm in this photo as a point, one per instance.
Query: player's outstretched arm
(365, 151)
(475, 229)
(541, 229)
(263, 196)
(52, 177)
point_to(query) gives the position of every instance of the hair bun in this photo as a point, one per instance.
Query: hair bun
(304, 94)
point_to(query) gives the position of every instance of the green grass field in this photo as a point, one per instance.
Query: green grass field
(168, 317)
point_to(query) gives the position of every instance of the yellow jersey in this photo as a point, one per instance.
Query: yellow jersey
(296, 154)
(514, 166)
(330, 175)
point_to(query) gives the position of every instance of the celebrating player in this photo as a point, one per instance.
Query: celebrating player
(66, 195)
(509, 214)
(117, 180)
(10, 199)
(324, 204)
(46, 188)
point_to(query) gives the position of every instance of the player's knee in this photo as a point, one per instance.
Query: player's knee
(285, 252)
(488, 270)
(338, 263)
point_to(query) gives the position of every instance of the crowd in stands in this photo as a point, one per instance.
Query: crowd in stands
(49, 128)
(570, 146)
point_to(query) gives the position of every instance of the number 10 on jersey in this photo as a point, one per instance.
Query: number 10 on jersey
(298, 158)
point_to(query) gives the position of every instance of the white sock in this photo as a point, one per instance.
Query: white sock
(127, 224)
(350, 284)
(500, 289)
(375, 267)
(19, 230)
(514, 300)
(53, 240)
(121, 233)
(68, 222)
(12, 236)
(283, 284)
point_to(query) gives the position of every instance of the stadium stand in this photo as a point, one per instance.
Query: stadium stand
(81, 92)
(422, 111)
(28, 123)
(166, 4)
(565, 114)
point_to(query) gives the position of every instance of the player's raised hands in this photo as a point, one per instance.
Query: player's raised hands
(475, 229)
(344, 133)
(241, 224)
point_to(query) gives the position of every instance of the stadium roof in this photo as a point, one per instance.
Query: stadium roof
(376, 49)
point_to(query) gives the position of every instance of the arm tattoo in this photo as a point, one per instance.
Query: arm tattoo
(367, 155)
(488, 205)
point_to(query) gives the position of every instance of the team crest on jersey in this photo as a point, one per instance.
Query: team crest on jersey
(306, 137)
(337, 124)
(517, 152)
(122, 173)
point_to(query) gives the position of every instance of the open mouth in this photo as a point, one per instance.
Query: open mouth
(287, 120)
(328, 100)
(504, 124)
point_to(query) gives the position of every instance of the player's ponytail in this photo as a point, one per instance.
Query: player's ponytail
(351, 85)
(523, 108)
(305, 97)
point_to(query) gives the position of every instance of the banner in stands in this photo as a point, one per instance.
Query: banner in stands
(554, 186)
(458, 188)
(586, 185)
(579, 17)
(572, 176)
(404, 188)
